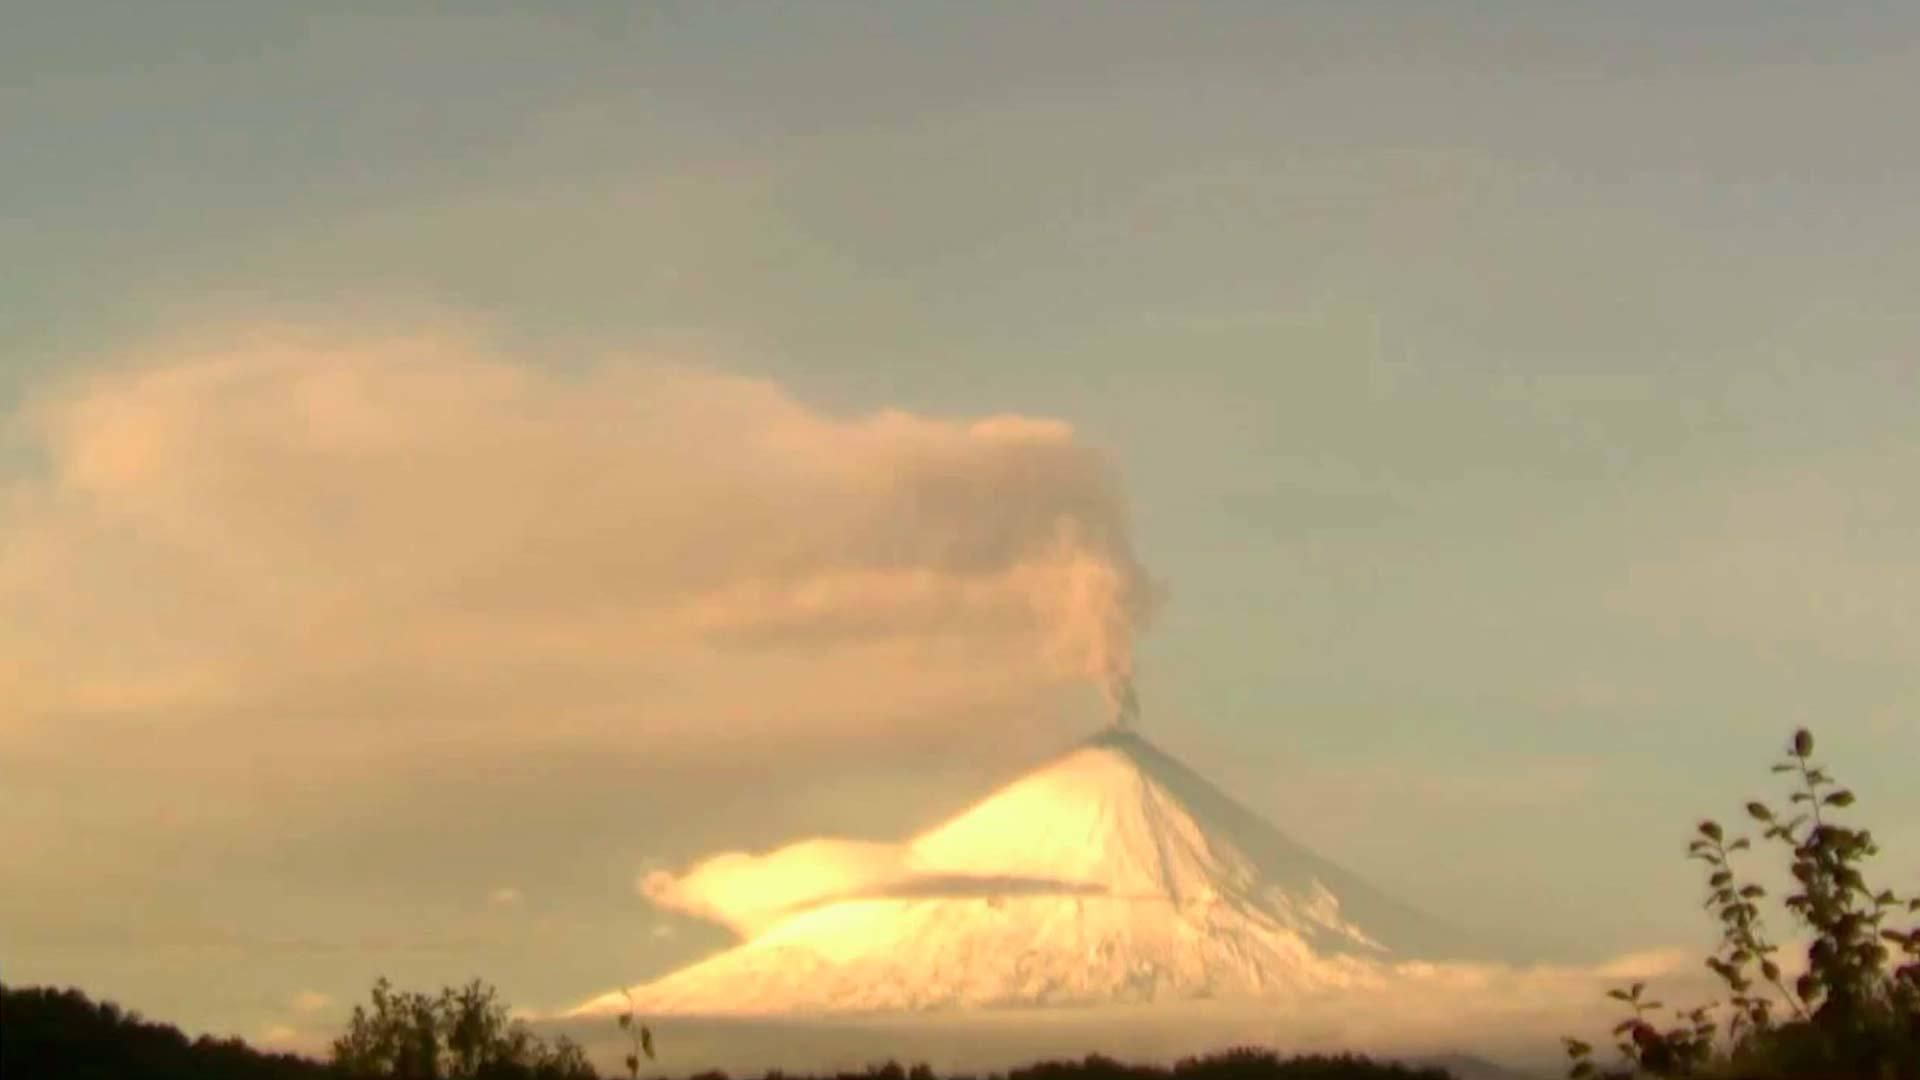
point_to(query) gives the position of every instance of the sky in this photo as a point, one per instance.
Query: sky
(456, 461)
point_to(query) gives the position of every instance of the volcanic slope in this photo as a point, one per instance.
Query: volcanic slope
(1111, 874)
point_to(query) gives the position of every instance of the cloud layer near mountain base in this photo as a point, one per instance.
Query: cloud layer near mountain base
(1515, 1016)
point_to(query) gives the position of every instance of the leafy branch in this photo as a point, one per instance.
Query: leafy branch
(641, 1036)
(1852, 1013)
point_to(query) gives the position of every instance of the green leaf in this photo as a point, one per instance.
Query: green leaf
(1759, 811)
(626, 1021)
(1711, 830)
(1802, 743)
(1842, 797)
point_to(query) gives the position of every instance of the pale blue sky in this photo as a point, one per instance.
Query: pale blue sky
(1518, 400)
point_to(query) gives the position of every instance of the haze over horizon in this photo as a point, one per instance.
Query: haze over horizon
(454, 465)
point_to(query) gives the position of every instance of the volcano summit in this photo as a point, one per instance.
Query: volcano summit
(1110, 874)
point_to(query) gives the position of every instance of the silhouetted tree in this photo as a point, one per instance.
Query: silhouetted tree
(458, 1034)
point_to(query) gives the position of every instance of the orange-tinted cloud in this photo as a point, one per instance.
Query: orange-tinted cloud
(349, 545)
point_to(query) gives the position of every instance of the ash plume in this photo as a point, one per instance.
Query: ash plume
(1096, 597)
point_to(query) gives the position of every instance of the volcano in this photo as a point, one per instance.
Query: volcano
(1111, 874)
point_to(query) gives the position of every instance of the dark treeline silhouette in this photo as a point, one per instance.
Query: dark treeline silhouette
(61, 1033)
(48, 1034)
(1245, 1063)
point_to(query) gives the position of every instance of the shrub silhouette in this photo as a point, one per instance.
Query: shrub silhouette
(1855, 1012)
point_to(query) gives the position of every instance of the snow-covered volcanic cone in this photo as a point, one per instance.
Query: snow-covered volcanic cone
(1111, 874)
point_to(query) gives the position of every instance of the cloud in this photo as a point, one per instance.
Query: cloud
(1649, 964)
(288, 542)
(289, 1039)
(748, 893)
(1510, 1014)
(308, 1002)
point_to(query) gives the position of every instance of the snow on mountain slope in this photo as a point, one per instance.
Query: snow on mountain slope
(1112, 874)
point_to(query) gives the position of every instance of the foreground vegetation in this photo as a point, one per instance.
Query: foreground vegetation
(1853, 1014)
(465, 1034)
(47, 1033)
(457, 1034)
